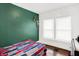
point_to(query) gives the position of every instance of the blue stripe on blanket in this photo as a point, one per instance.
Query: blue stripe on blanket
(41, 45)
(35, 45)
(21, 47)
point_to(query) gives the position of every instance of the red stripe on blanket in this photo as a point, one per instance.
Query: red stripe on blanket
(2, 52)
(39, 50)
(19, 51)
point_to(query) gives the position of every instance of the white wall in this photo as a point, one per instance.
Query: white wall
(72, 11)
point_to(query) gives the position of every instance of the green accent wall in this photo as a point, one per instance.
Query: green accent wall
(17, 24)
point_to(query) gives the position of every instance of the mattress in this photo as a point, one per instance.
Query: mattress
(26, 48)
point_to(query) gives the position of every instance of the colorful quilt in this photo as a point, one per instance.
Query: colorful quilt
(26, 48)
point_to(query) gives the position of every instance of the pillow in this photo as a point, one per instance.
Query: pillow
(2, 52)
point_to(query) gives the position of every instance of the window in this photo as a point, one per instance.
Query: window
(48, 29)
(58, 29)
(63, 29)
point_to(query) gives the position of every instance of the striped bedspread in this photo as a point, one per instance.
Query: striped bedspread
(26, 48)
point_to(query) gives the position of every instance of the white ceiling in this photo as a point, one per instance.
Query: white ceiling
(42, 7)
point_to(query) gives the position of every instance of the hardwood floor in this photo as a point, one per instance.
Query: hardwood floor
(50, 52)
(53, 51)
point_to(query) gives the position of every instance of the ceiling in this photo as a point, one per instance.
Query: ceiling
(42, 7)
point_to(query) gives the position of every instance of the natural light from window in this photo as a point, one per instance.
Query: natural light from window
(48, 29)
(57, 29)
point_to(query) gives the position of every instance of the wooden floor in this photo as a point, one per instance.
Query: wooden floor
(52, 51)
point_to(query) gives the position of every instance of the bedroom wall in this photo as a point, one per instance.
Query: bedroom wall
(16, 24)
(72, 11)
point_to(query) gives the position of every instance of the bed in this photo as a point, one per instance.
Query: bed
(24, 48)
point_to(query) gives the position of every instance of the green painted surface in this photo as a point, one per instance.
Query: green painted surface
(16, 24)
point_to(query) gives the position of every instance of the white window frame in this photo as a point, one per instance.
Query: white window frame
(55, 26)
(65, 29)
